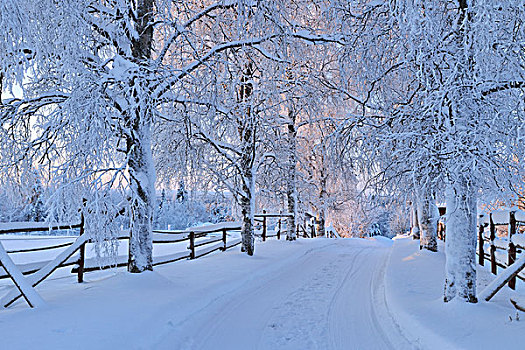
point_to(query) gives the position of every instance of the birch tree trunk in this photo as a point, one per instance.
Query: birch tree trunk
(291, 185)
(427, 222)
(247, 131)
(414, 227)
(460, 245)
(140, 161)
(247, 234)
(322, 195)
(142, 183)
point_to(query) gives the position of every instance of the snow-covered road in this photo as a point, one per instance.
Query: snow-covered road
(329, 297)
(309, 294)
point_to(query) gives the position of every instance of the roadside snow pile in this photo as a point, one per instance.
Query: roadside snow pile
(414, 292)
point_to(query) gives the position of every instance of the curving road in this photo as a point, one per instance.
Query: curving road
(330, 297)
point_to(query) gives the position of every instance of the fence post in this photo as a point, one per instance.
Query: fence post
(279, 231)
(481, 241)
(224, 239)
(493, 266)
(512, 248)
(82, 249)
(192, 245)
(305, 228)
(264, 226)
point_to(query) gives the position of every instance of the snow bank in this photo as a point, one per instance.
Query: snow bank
(414, 281)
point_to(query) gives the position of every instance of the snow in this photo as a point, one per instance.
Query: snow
(291, 295)
(414, 281)
(519, 240)
(501, 217)
(520, 215)
(308, 294)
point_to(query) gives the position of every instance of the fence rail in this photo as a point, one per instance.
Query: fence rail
(263, 219)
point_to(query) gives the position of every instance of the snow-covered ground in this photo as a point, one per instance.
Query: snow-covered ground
(414, 283)
(309, 294)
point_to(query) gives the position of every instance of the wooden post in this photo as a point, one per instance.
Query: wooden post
(279, 231)
(224, 239)
(82, 249)
(481, 241)
(264, 226)
(192, 245)
(305, 227)
(493, 266)
(512, 248)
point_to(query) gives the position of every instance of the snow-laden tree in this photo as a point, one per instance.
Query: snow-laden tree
(240, 97)
(468, 62)
(95, 75)
(439, 86)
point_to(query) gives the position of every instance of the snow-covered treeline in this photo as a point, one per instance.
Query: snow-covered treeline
(91, 88)
(445, 116)
(346, 110)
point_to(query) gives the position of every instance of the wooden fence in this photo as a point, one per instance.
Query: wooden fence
(200, 243)
(513, 244)
(41, 270)
(263, 220)
(498, 251)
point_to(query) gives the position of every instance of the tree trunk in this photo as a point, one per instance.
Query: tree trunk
(291, 186)
(414, 224)
(427, 218)
(140, 161)
(322, 195)
(142, 182)
(460, 245)
(247, 132)
(247, 235)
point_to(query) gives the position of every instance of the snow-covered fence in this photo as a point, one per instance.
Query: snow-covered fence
(201, 241)
(41, 270)
(331, 232)
(23, 227)
(263, 219)
(501, 252)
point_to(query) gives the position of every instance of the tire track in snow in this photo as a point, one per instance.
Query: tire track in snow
(236, 319)
(324, 299)
(303, 322)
